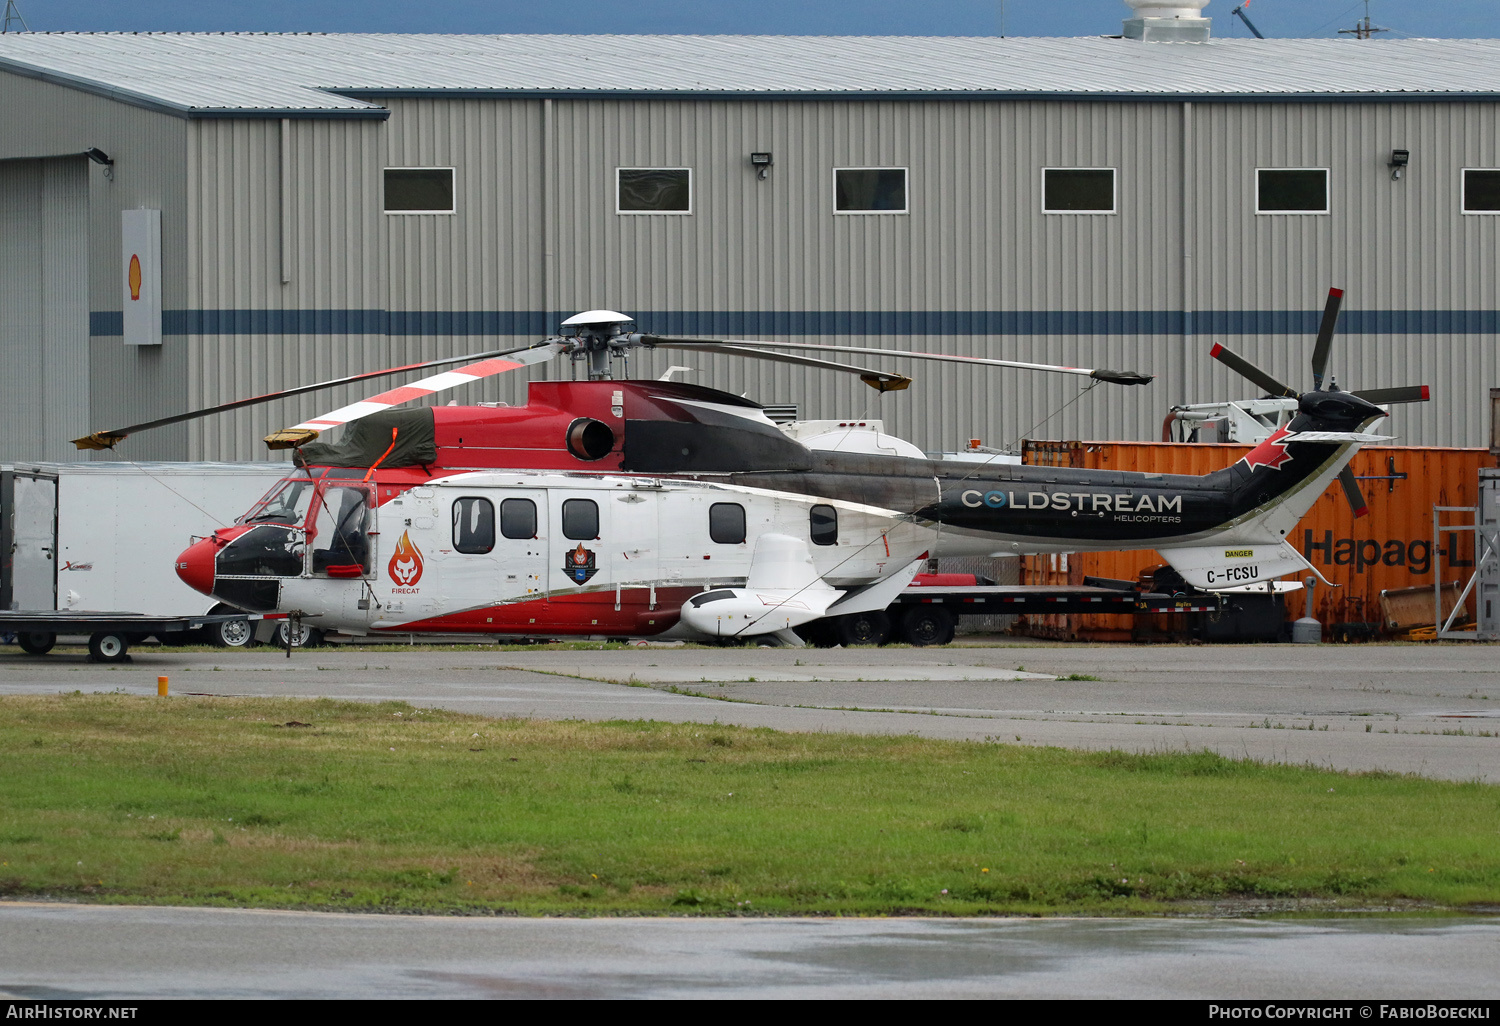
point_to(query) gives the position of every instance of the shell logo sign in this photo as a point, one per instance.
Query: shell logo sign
(405, 566)
(135, 277)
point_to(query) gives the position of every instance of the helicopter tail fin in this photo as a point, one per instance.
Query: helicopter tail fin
(1227, 565)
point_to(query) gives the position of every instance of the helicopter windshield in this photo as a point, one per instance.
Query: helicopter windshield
(286, 503)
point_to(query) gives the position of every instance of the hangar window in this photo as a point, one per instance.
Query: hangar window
(580, 519)
(1481, 190)
(654, 190)
(869, 190)
(419, 190)
(726, 523)
(518, 518)
(1291, 190)
(473, 525)
(1078, 190)
(824, 525)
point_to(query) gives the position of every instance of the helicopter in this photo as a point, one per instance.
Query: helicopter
(658, 509)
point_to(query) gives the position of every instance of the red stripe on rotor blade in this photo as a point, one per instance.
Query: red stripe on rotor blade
(396, 396)
(1216, 350)
(1335, 292)
(484, 368)
(1425, 396)
(1363, 511)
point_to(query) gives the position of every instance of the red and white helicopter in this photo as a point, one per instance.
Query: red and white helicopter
(638, 509)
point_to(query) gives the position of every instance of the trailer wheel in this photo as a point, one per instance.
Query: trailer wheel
(109, 647)
(927, 625)
(872, 628)
(231, 634)
(307, 637)
(36, 642)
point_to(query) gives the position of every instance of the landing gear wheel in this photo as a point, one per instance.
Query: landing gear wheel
(818, 633)
(36, 642)
(109, 647)
(306, 637)
(927, 625)
(231, 634)
(872, 628)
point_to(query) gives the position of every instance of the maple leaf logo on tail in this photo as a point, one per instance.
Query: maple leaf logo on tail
(1270, 453)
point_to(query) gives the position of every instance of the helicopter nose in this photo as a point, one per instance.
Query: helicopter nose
(196, 565)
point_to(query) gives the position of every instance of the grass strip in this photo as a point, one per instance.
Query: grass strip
(316, 803)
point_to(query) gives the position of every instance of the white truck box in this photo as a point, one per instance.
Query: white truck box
(116, 530)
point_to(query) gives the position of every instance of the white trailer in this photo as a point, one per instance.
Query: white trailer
(104, 537)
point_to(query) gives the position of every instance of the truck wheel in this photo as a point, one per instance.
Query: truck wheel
(109, 647)
(927, 625)
(307, 637)
(873, 628)
(36, 642)
(231, 634)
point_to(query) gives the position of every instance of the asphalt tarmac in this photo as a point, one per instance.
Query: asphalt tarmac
(78, 952)
(1432, 710)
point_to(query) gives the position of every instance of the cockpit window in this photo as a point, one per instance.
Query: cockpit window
(286, 503)
(338, 529)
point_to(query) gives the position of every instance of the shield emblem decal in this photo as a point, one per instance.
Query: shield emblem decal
(579, 564)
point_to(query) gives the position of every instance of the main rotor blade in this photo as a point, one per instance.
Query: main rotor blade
(1352, 493)
(1246, 369)
(300, 434)
(108, 439)
(1114, 377)
(1401, 394)
(1325, 335)
(881, 381)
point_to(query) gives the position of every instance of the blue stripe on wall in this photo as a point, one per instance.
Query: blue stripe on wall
(751, 323)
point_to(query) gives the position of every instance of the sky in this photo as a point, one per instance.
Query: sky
(1275, 18)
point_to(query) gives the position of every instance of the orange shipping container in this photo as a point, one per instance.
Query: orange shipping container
(1389, 549)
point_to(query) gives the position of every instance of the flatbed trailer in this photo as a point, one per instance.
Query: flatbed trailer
(927, 614)
(110, 634)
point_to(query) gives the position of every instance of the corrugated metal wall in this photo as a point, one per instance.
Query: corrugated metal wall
(114, 384)
(44, 312)
(255, 332)
(283, 268)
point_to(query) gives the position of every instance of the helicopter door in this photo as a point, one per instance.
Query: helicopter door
(521, 544)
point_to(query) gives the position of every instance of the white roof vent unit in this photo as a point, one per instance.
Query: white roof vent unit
(1156, 21)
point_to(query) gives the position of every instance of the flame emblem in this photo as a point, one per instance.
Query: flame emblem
(405, 566)
(135, 277)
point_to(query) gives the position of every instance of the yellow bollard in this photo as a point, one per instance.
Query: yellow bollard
(161, 687)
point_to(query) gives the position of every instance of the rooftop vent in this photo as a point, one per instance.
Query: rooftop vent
(1159, 22)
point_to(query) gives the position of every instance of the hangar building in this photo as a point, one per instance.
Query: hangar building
(298, 207)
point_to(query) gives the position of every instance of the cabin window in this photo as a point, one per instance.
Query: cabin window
(653, 190)
(1078, 190)
(580, 519)
(1291, 190)
(869, 190)
(824, 525)
(473, 525)
(419, 190)
(726, 523)
(518, 518)
(1481, 190)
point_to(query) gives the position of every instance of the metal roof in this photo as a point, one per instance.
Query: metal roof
(224, 74)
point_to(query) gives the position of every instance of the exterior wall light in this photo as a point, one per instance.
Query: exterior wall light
(762, 164)
(98, 156)
(1399, 160)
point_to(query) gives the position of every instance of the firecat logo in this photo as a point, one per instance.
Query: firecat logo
(135, 277)
(1270, 453)
(405, 566)
(579, 564)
